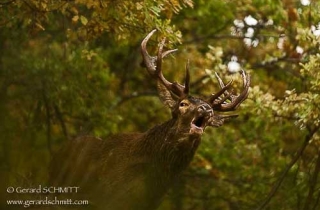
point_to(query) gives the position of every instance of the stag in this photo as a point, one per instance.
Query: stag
(134, 171)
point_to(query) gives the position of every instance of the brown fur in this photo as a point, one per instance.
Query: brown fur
(125, 171)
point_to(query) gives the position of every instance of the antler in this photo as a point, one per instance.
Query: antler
(154, 64)
(220, 103)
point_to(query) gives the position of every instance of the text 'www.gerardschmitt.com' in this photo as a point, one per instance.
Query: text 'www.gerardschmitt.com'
(42, 196)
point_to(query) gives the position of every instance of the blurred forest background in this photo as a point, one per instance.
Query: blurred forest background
(72, 67)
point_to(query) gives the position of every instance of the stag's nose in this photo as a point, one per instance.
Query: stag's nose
(205, 110)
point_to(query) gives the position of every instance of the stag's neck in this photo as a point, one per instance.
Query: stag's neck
(170, 147)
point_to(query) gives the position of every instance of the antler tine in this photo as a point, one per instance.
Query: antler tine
(246, 84)
(220, 80)
(148, 60)
(222, 91)
(221, 104)
(154, 65)
(168, 52)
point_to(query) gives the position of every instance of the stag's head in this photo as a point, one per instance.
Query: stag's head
(193, 114)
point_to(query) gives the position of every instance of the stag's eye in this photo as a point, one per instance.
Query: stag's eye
(183, 104)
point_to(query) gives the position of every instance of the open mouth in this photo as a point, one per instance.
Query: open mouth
(197, 125)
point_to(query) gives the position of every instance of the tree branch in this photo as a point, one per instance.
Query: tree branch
(37, 9)
(48, 121)
(313, 184)
(228, 36)
(7, 3)
(287, 169)
(317, 201)
(61, 120)
(134, 95)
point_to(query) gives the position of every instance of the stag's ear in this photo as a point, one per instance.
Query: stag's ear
(167, 98)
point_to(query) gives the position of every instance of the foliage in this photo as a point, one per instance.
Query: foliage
(72, 67)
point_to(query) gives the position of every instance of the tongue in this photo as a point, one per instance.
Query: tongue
(195, 129)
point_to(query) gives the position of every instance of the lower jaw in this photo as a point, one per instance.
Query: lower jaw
(196, 130)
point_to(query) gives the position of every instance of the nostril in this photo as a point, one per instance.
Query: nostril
(204, 108)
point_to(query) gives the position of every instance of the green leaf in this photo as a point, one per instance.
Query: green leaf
(83, 20)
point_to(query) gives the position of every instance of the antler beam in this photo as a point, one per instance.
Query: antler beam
(154, 67)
